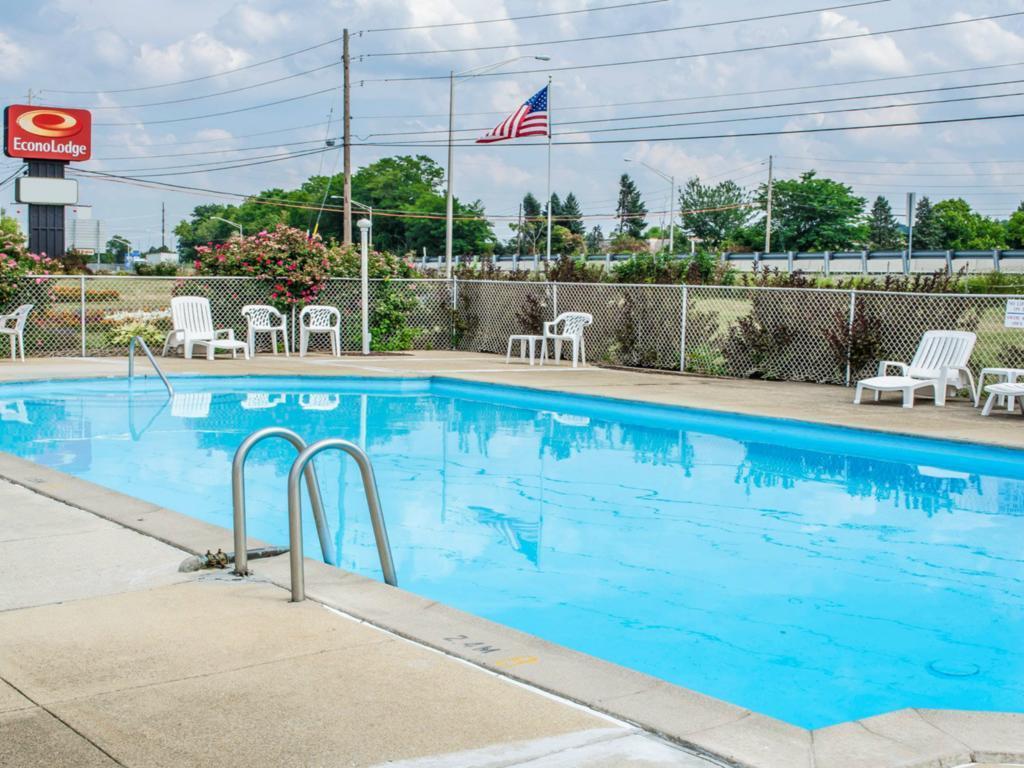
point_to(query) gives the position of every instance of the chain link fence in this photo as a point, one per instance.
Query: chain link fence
(816, 335)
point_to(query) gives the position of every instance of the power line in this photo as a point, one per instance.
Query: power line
(653, 139)
(202, 168)
(615, 35)
(895, 162)
(748, 49)
(219, 93)
(283, 155)
(741, 109)
(204, 77)
(221, 151)
(512, 18)
(229, 111)
(225, 138)
(715, 95)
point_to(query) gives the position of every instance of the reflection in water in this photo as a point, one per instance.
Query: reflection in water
(811, 584)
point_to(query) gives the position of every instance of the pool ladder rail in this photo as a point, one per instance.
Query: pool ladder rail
(138, 340)
(303, 467)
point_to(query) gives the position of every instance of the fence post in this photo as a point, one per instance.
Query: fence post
(995, 259)
(864, 262)
(81, 299)
(554, 300)
(682, 331)
(789, 260)
(906, 262)
(294, 348)
(827, 259)
(455, 308)
(949, 262)
(849, 334)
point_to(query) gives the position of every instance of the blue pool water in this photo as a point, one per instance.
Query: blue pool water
(810, 573)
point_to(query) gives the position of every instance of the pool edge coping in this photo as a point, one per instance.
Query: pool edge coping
(557, 389)
(717, 729)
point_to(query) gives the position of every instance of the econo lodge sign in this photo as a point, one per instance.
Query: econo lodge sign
(47, 133)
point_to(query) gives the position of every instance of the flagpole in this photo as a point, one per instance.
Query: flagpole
(550, 128)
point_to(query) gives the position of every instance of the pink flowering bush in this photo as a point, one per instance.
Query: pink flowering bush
(294, 265)
(15, 263)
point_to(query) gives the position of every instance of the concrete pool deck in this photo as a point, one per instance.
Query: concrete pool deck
(131, 630)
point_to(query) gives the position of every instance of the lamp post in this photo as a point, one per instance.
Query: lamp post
(361, 206)
(448, 219)
(230, 223)
(364, 276)
(671, 200)
(119, 239)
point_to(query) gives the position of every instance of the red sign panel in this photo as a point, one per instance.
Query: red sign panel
(47, 133)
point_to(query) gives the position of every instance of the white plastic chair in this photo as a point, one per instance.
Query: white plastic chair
(262, 318)
(940, 360)
(13, 327)
(192, 321)
(319, 401)
(317, 318)
(572, 325)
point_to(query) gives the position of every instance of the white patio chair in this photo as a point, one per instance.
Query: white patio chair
(257, 401)
(317, 318)
(1014, 391)
(940, 362)
(262, 318)
(571, 330)
(192, 321)
(13, 327)
(319, 401)
(191, 405)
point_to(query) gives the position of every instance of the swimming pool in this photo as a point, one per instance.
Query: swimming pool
(810, 573)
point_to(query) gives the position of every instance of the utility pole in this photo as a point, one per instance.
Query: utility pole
(29, 97)
(346, 120)
(519, 232)
(911, 197)
(768, 220)
(163, 225)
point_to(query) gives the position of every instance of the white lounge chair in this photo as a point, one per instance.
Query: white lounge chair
(319, 401)
(999, 391)
(193, 325)
(940, 362)
(262, 318)
(571, 330)
(317, 318)
(191, 405)
(13, 327)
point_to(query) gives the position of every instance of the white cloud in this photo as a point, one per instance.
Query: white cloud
(985, 41)
(199, 54)
(15, 57)
(878, 54)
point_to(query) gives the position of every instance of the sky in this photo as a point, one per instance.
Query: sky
(117, 56)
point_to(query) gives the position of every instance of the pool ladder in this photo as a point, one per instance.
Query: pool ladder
(302, 466)
(152, 360)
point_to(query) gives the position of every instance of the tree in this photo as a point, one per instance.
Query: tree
(714, 227)
(534, 229)
(927, 232)
(117, 247)
(1015, 229)
(631, 209)
(595, 241)
(962, 229)
(812, 214)
(572, 215)
(883, 231)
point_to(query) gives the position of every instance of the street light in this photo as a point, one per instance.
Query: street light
(363, 207)
(119, 239)
(671, 200)
(451, 129)
(231, 223)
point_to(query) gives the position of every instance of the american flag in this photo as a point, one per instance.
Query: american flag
(531, 119)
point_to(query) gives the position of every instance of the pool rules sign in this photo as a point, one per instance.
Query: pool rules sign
(47, 139)
(1014, 313)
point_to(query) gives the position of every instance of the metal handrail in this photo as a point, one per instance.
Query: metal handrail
(238, 496)
(152, 361)
(380, 532)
